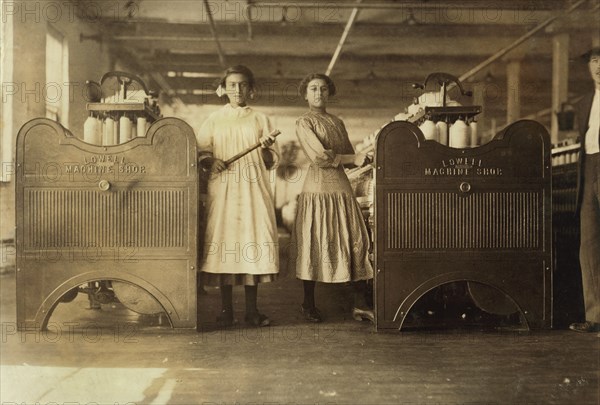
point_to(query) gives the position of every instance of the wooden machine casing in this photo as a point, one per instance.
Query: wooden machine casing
(481, 215)
(86, 212)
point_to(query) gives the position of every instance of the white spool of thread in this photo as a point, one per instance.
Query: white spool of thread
(115, 132)
(141, 126)
(443, 132)
(124, 129)
(459, 135)
(430, 130)
(474, 139)
(99, 129)
(413, 109)
(90, 130)
(108, 137)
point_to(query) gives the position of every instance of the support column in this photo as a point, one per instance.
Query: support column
(560, 79)
(513, 91)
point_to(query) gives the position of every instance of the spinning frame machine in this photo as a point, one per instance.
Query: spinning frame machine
(445, 213)
(115, 216)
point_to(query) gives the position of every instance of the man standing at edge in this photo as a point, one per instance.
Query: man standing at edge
(588, 197)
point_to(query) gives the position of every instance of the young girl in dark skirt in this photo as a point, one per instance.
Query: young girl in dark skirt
(330, 240)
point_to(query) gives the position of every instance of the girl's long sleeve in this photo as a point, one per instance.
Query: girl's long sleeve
(313, 148)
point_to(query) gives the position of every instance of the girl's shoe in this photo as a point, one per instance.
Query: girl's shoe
(311, 314)
(363, 314)
(226, 319)
(257, 319)
(585, 327)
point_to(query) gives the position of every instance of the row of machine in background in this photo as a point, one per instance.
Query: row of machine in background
(121, 109)
(565, 153)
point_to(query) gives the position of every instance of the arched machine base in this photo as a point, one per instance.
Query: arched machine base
(481, 215)
(411, 300)
(163, 303)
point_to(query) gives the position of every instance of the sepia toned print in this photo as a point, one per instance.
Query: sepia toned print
(185, 220)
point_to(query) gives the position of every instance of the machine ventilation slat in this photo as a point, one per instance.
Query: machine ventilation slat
(450, 221)
(83, 218)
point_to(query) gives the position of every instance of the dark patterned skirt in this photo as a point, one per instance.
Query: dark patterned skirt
(330, 242)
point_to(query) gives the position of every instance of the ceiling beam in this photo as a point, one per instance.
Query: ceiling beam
(506, 4)
(535, 92)
(237, 32)
(436, 44)
(525, 12)
(363, 68)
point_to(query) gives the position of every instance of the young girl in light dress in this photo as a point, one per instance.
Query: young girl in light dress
(240, 244)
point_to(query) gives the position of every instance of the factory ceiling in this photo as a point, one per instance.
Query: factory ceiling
(373, 49)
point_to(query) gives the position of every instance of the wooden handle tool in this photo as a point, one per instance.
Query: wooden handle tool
(248, 150)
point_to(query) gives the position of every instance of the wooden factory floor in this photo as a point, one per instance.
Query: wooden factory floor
(84, 358)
